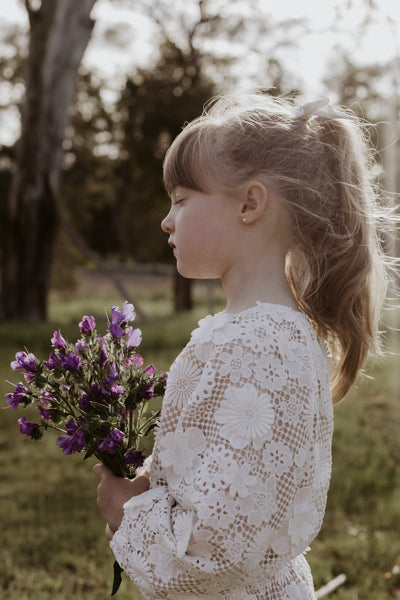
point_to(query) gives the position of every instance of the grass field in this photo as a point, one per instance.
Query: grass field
(53, 545)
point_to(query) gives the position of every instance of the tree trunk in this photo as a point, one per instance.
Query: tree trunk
(59, 33)
(182, 293)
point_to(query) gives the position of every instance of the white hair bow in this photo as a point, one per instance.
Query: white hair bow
(321, 108)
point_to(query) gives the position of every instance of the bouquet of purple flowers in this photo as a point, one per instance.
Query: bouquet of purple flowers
(94, 392)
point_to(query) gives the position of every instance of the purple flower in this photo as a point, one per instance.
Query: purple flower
(19, 395)
(126, 314)
(81, 345)
(71, 361)
(116, 331)
(146, 391)
(134, 457)
(53, 362)
(113, 373)
(71, 444)
(149, 371)
(112, 442)
(103, 358)
(96, 393)
(87, 325)
(146, 388)
(84, 401)
(117, 435)
(74, 440)
(159, 387)
(45, 414)
(134, 338)
(89, 389)
(28, 428)
(58, 341)
(135, 360)
(71, 426)
(46, 397)
(25, 361)
(117, 390)
(128, 311)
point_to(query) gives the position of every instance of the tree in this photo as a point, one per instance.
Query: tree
(371, 90)
(88, 186)
(59, 33)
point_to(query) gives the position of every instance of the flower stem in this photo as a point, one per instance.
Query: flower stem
(130, 435)
(138, 419)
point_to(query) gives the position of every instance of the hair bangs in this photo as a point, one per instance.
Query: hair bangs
(188, 161)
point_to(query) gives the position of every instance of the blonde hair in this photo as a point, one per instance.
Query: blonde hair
(335, 264)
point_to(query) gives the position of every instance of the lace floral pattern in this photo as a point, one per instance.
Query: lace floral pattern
(241, 465)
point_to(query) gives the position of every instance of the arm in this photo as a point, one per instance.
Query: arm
(239, 495)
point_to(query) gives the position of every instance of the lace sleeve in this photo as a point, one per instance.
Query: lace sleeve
(240, 471)
(145, 469)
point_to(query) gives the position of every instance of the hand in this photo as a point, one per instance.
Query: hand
(109, 533)
(113, 492)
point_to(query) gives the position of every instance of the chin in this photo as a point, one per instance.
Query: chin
(194, 274)
(187, 273)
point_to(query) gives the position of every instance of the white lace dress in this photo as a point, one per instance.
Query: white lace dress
(241, 465)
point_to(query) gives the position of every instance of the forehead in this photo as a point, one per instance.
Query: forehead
(190, 161)
(187, 174)
(181, 191)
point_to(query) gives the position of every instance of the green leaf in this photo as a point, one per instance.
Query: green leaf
(117, 578)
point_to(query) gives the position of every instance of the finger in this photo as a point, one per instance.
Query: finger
(142, 484)
(109, 533)
(97, 469)
(100, 470)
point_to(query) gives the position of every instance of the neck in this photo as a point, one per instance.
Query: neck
(262, 281)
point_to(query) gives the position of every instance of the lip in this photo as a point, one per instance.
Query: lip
(171, 244)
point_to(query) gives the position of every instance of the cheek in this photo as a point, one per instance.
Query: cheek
(188, 227)
(189, 240)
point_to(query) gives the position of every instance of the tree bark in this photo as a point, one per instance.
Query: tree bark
(182, 293)
(59, 33)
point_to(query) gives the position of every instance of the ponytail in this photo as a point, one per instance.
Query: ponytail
(337, 267)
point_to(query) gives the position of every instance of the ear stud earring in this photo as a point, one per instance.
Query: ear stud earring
(244, 220)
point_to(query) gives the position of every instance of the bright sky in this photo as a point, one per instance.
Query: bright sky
(308, 62)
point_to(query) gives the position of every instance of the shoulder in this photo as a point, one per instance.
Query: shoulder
(284, 344)
(263, 321)
(275, 336)
(273, 327)
(217, 329)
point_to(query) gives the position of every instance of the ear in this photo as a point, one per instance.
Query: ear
(254, 203)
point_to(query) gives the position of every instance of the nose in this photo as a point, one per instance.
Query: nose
(167, 223)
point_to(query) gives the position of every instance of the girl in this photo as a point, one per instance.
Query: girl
(276, 202)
